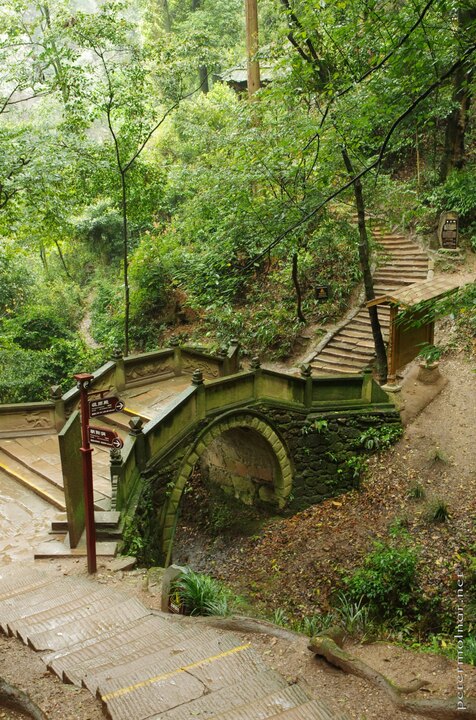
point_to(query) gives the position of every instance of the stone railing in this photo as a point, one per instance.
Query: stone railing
(246, 389)
(39, 418)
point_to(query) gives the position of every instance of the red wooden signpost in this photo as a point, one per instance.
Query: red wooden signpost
(100, 436)
(103, 436)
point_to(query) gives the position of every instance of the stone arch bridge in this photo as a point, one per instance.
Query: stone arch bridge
(266, 438)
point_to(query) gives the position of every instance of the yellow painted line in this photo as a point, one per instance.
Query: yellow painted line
(129, 411)
(22, 590)
(172, 673)
(34, 488)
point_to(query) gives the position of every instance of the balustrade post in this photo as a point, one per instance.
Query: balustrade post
(233, 356)
(255, 367)
(201, 406)
(117, 475)
(367, 385)
(56, 395)
(136, 425)
(306, 373)
(120, 370)
(175, 344)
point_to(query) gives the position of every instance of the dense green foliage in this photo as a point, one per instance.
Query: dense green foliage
(386, 581)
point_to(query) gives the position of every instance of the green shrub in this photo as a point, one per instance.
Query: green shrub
(469, 650)
(386, 580)
(439, 512)
(380, 438)
(149, 278)
(353, 614)
(356, 467)
(16, 280)
(100, 226)
(457, 193)
(107, 314)
(430, 353)
(416, 492)
(199, 594)
(36, 326)
(280, 618)
(27, 375)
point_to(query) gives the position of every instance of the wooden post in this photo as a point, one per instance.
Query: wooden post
(392, 350)
(254, 83)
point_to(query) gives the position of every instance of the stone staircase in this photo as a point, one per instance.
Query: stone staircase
(141, 664)
(35, 463)
(350, 349)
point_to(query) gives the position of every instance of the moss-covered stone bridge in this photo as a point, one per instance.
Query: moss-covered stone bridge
(263, 437)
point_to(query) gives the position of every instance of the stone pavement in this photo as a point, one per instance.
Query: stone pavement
(139, 663)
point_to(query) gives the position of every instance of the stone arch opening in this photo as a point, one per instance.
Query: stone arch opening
(244, 457)
(242, 463)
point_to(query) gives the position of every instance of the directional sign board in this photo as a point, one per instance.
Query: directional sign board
(104, 406)
(103, 436)
(322, 292)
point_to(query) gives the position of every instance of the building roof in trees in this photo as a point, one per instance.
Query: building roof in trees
(422, 291)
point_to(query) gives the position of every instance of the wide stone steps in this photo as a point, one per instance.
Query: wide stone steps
(400, 262)
(42, 486)
(141, 664)
(35, 463)
(285, 699)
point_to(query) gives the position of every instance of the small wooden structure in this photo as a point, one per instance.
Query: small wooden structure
(406, 338)
(237, 78)
(448, 230)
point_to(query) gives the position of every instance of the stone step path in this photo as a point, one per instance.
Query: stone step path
(42, 486)
(34, 462)
(141, 664)
(400, 262)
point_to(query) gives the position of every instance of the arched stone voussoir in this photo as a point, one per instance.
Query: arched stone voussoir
(248, 420)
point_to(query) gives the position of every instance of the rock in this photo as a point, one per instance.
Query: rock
(169, 575)
(267, 494)
(124, 562)
(153, 579)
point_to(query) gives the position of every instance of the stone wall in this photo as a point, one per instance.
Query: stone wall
(321, 446)
(242, 463)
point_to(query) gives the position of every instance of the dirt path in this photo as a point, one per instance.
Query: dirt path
(85, 326)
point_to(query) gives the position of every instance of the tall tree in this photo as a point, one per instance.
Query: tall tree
(364, 257)
(252, 46)
(454, 155)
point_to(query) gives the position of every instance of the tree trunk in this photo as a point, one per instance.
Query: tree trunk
(437, 708)
(254, 82)
(364, 257)
(203, 78)
(457, 121)
(43, 257)
(14, 698)
(56, 61)
(166, 15)
(297, 288)
(202, 70)
(62, 258)
(125, 243)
